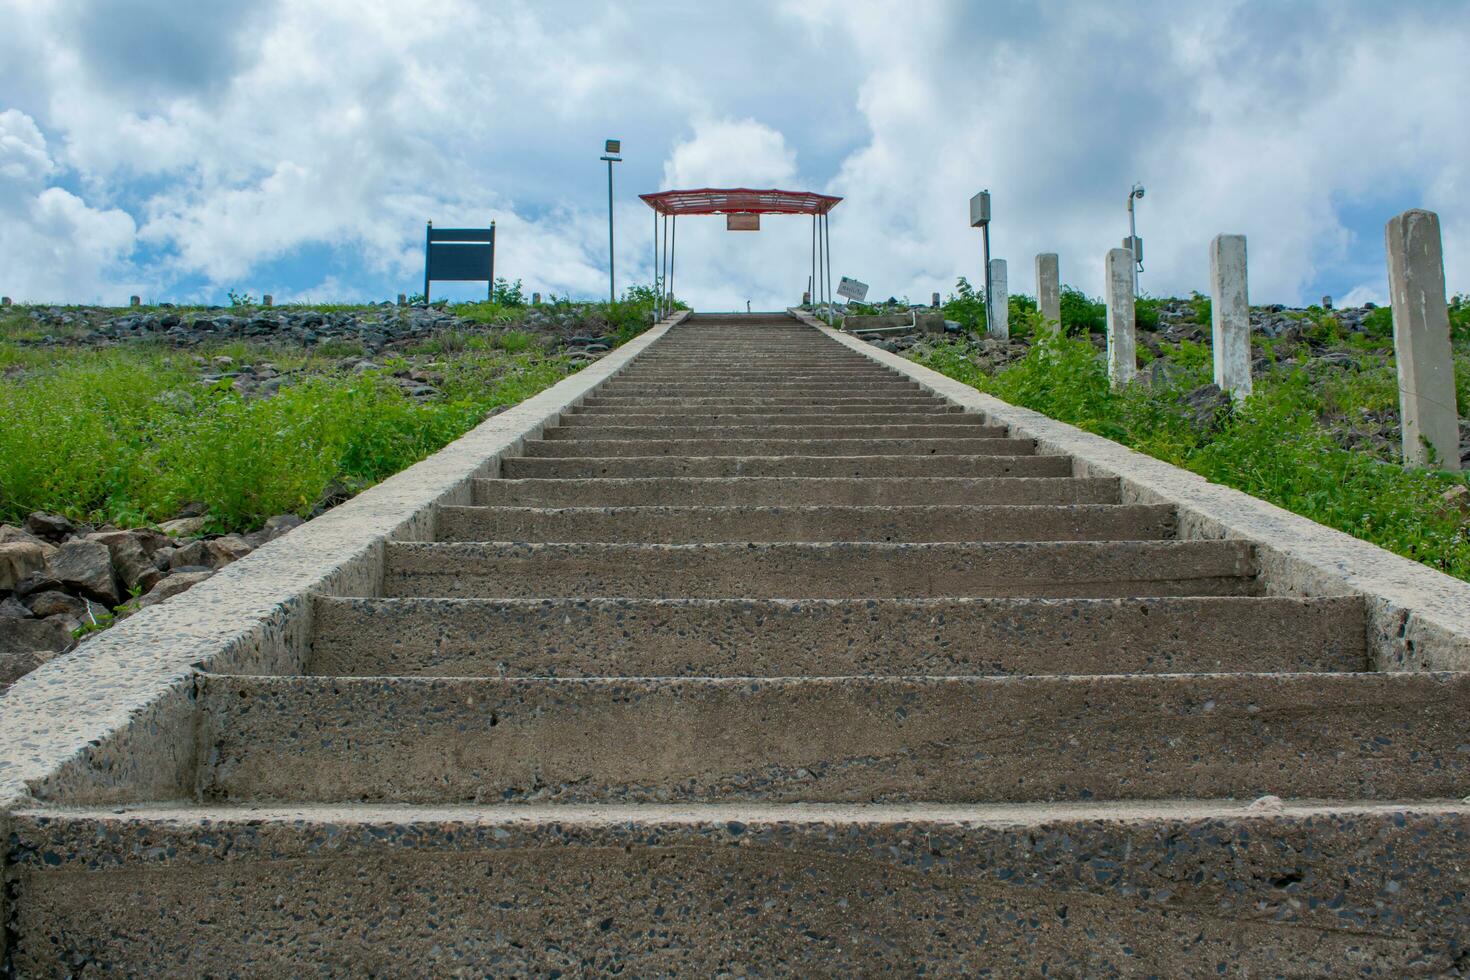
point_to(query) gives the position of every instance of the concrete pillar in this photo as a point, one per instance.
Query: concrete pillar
(1049, 290)
(1000, 307)
(4, 300)
(402, 299)
(1326, 302)
(1421, 340)
(135, 301)
(935, 301)
(535, 299)
(1230, 315)
(1122, 353)
(268, 300)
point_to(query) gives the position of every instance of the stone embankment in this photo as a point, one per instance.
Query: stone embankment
(60, 581)
(387, 327)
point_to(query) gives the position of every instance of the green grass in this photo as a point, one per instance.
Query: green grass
(129, 434)
(1280, 445)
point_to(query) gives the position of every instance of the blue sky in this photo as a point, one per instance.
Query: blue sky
(181, 151)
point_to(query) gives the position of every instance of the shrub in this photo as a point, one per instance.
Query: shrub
(1082, 314)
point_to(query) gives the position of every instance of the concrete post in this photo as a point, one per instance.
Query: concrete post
(402, 299)
(1230, 315)
(268, 300)
(135, 301)
(4, 300)
(1122, 353)
(935, 301)
(1049, 290)
(535, 299)
(1421, 341)
(1000, 309)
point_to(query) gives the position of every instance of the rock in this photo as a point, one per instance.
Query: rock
(85, 567)
(54, 603)
(13, 608)
(14, 666)
(173, 585)
(1206, 404)
(183, 527)
(227, 549)
(193, 553)
(10, 533)
(26, 635)
(19, 560)
(280, 524)
(51, 527)
(129, 559)
(1457, 498)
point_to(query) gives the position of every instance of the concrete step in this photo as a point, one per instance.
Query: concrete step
(776, 430)
(658, 375)
(1103, 889)
(793, 491)
(876, 416)
(831, 446)
(697, 389)
(777, 403)
(789, 466)
(679, 525)
(814, 637)
(1362, 736)
(1071, 569)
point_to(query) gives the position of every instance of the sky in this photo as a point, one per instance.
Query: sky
(296, 147)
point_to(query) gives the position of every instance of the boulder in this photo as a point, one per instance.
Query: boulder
(26, 635)
(227, 549)
(52, 527)
(193, 553)
(19, 560)
(85, 567)
(54, 603)
(184, 527)
(129, 559)
(13, 608)
(10, 533)
(173, 585)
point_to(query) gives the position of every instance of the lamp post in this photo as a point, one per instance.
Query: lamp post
(611, 150)
(1133, 243)
(980, 218)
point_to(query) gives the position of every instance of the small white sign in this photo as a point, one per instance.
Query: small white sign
(852, 289)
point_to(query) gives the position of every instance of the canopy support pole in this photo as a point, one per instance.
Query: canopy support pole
(673, 254)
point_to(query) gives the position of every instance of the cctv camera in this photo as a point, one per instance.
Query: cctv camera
(1138, 191)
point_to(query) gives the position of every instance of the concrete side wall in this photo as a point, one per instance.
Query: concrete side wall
(115, 717)
(1419, 619)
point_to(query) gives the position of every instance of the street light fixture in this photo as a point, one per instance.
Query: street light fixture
(1133, 243)
(980, 218)
(611, 150)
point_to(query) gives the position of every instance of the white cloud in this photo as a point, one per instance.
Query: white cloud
(54, 246)
(250, 141)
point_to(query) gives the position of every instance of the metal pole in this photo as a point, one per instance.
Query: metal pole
(811, 289)
(428, 247)
(989, 312)
(673, 254)
(663, 284)
(1133, 242)
(827, 237)
(492, 260)
(612, 288)
(657, 306)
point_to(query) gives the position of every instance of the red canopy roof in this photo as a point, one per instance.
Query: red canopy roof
(739, 200)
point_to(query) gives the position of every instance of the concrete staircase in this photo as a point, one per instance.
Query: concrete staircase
(765, 661)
